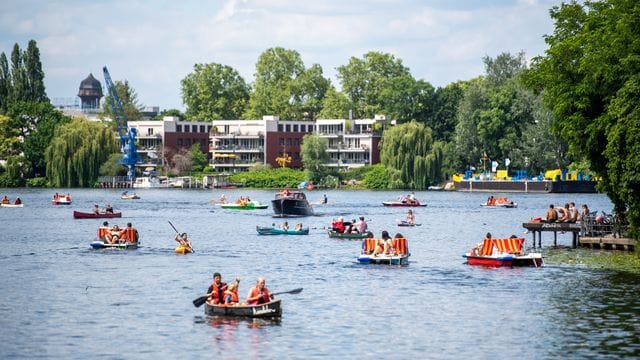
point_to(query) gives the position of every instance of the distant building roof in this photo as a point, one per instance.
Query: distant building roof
(90, 87)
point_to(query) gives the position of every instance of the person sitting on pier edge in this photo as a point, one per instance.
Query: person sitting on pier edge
(552, 214)
(574, 215)
(563, 213)
(215, 292)
(259, 294)
(231, 294)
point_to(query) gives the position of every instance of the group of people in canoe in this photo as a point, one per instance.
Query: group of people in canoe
(285, 226)
(108, 209)
(118, 235)
(5, 200)
(350, 227)
(221, 293)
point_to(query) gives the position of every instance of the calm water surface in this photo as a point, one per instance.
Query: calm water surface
(59, 299)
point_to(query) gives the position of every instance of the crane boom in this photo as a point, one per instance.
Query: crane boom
(127, 136)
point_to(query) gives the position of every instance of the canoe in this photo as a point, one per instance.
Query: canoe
(180, 249)
(278, 231)
(98, 245)
(403, 204)
(251, 205)
(355, 236)
(12, 205)
(405, 223)
(269, 310)
(84, 215)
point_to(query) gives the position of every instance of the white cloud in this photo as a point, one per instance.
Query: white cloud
(155, 45)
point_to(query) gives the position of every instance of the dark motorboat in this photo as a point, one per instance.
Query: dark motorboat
(291, 203)
(84, 215)
(268, 310)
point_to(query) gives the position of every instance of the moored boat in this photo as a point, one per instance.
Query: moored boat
(271, 309)
(278, 231)
(85, 215)
(97, 245)
(502, 252)
(399, 255)
(354, 236)
(251, 205)
(291, 203)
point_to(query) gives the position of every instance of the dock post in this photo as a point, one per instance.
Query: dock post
(534, 239)
(555, 239)
(574, 240)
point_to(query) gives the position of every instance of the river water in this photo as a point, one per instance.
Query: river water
(60, 299)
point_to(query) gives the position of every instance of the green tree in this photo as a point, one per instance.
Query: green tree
(5, 84)
(112, 166)
(368, 81)
(214, 92)
(35, 90)
(169, 112)
(275, 87)
(590, 75)
(77, 151)
(198, 158)
(10, 143)
(411, 157)
(36, 122)
(18, 76)
(442, 119)
(335, 105)
(129, 100)
(310, 89)
(314, 155)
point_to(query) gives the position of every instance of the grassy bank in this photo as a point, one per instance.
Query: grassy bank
(596, 259)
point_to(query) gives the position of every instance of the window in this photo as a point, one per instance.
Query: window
(303, 128)
(295, 128)
(178, 128)
(202, 128)
(280, 128)
(281, 141)
(208, 128)
(150, 131)
(288, 128)
(311, 128)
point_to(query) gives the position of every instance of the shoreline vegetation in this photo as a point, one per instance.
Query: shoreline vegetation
(610, 260)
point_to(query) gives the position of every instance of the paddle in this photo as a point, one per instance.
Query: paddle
(178, 232)
(203, 299)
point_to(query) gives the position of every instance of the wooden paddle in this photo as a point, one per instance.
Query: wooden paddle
(177, 232)
(203, 299)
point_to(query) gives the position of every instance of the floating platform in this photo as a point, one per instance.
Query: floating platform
(608, 242)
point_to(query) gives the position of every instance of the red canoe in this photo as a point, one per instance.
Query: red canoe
(84, 215)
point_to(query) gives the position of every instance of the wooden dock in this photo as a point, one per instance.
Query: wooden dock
(608, 242)
(539, 227)
(602, 241)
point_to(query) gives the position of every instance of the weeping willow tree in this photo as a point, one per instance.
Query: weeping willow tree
(413, 160)
(76, 152)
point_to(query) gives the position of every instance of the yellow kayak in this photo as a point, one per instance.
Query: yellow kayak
(180, 249)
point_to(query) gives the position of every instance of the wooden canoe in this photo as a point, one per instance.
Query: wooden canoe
(84, 215)
(271, 309)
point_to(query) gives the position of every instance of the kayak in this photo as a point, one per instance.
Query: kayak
(97, 245)
(181, 249)
(84, 215)
(268, 310)
(251, 205)
(278, 231)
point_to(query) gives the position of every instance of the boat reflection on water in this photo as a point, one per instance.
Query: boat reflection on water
(222, 322)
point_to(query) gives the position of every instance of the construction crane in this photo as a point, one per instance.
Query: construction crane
(127, 136)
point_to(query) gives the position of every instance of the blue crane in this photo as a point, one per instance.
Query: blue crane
(127, 136)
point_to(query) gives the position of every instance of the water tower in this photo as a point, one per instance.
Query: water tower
(90, 93)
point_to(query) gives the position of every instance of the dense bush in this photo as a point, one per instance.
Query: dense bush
(269, 178)
(376, 178)
(39, 182)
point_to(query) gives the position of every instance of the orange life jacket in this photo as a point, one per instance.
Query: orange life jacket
(130, 234)
(255, 292)
(102, 231)
(234, 297)
(218, 293)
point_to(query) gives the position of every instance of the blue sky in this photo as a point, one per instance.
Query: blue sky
(154, 44)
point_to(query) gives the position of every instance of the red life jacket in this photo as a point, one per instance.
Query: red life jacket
(218, 292)
(256, 292)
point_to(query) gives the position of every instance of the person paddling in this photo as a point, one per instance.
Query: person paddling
(184, 241)
(259, 294)
(216, 290)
